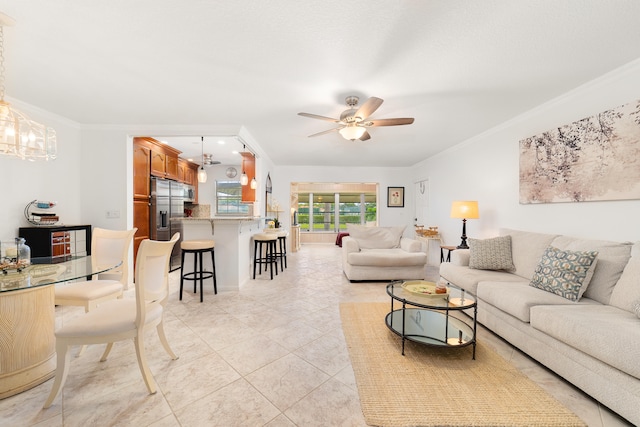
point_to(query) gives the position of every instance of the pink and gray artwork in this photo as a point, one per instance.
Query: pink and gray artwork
(596, 158)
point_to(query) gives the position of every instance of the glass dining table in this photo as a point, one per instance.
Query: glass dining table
(27, 318)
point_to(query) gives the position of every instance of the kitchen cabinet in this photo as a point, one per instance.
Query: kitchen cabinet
(249, 167)
(141, 220)
(190, 175)
(141, 168)
(164, 163)
(58, 241)
(151, 158)
(183, 165)
(171, 164)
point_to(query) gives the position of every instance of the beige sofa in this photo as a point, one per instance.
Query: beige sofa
(593, 342)
(381, 253)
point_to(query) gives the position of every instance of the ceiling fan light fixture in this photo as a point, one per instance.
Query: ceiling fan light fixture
(352, 132)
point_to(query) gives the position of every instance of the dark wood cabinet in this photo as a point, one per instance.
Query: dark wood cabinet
(57, 241)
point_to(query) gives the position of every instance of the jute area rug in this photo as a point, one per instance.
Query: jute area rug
(439, 386)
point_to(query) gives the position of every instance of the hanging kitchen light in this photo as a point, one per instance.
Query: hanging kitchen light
(202, 174)
(244, 179)
(19, 135)
(254, 183)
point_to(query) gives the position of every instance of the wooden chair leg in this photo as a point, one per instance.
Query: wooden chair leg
(165, 343)
(62, 369)
(107, 350)
(142, 362)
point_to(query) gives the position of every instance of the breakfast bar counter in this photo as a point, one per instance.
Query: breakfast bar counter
(233, 246)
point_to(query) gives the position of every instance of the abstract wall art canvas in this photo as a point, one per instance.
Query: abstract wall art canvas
(596, 158)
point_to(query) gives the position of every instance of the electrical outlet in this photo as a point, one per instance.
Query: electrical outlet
(113, 214)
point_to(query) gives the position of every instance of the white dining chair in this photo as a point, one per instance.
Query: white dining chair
(123, 319)
(108, 247)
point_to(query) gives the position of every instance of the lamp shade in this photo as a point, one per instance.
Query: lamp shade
(465, 210)
(352, 132)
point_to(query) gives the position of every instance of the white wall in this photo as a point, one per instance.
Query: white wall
(485, 168)
(23, 181)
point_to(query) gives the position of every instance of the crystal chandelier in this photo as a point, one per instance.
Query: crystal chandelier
(19, 135)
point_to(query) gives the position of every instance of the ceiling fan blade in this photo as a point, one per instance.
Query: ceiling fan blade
(365, 136)
(369, 107)
(315, 116)
(325, 132)
(389, 122)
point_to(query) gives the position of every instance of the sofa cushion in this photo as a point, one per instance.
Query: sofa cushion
(612, 259)
(636, 308)
(564, 273)
(527, 249)
(517, 298)
(386, 258)
(490, 254)
(627, 289)
(604, 332)
(467, 278)
(376, 237)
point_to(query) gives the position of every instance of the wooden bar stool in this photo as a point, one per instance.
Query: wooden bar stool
(265, 242)
(282, 248)
(197, 248)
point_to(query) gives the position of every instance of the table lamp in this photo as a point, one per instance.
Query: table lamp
(465, 210)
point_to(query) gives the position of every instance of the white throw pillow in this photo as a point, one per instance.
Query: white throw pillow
(376, 237)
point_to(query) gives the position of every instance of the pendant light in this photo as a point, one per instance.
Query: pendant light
(244, 179)
(202, 174)
(254, 183)
(19, 135)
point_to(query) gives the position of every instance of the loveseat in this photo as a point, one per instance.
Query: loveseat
(381, 253)
(587, 332)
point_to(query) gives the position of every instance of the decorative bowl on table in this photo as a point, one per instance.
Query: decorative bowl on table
(431, 231)
(425, 289)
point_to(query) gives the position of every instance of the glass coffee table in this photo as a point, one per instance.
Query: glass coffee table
(429, 318)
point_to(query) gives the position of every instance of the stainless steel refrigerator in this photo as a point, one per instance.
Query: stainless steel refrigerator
(167, 202)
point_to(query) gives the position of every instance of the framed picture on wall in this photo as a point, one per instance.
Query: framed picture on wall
(395, 197)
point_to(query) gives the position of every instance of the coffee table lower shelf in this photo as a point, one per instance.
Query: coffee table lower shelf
(431, 327)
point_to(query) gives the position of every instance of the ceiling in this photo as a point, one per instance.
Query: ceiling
(458, 67)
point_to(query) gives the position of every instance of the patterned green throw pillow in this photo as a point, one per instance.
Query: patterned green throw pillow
(564, 273)
(491, 254)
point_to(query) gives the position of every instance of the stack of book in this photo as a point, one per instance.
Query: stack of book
(45, 218)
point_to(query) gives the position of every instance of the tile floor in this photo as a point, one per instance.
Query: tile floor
(272, 354)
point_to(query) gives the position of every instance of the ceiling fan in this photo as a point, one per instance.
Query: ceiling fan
(354, 121)
(207, 160)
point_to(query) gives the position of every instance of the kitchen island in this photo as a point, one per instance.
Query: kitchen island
(233, 247)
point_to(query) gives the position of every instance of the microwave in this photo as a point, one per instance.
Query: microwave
(189, 194)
